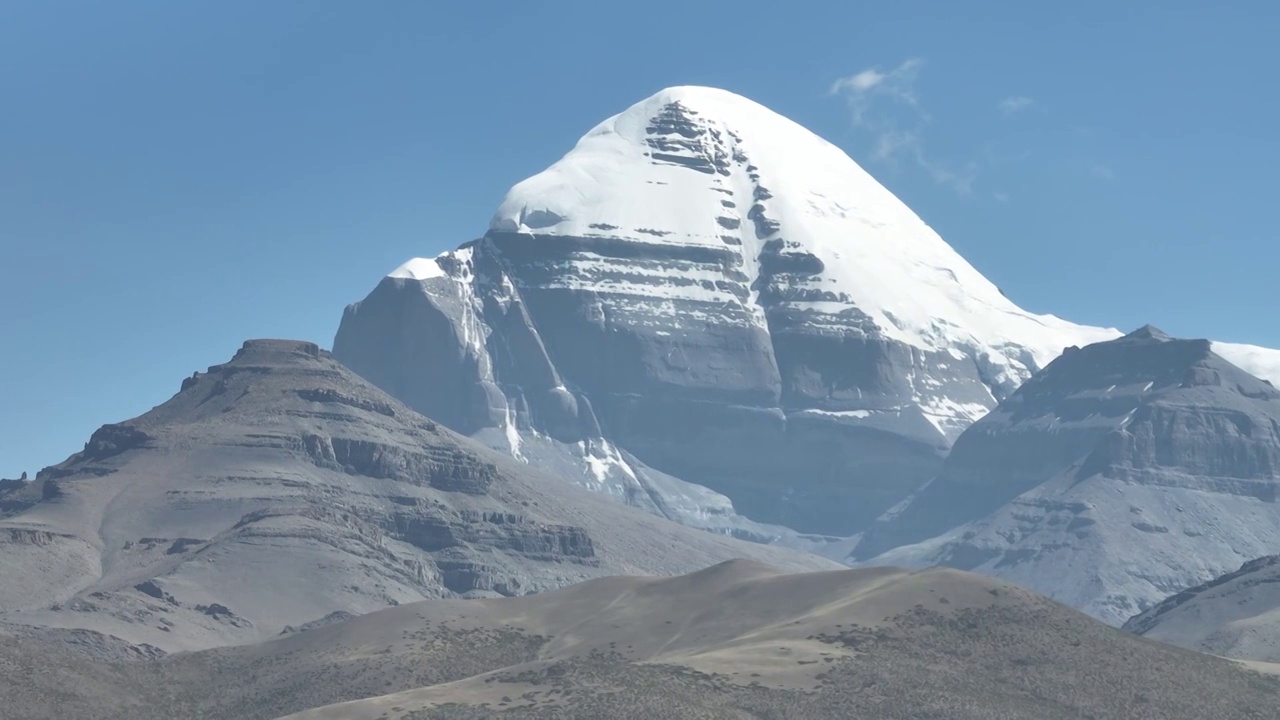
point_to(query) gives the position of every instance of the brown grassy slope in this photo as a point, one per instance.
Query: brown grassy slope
(737, 640)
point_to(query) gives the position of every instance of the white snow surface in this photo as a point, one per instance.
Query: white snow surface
(418, 269)
(1259, 362)
(875, 250)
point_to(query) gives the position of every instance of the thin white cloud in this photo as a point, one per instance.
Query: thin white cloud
(860, 82)
(1099, 170)
(864, 89)
(1001, 197)
(884, 103)
(1015, 104)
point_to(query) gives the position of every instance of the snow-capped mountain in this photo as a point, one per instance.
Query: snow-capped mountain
(705, 306)
(1124, 472)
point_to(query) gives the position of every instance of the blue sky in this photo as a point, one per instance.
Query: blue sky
(178, 177)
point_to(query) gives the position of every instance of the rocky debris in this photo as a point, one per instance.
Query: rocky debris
(181, 545)
(153, 589)
(216, 611)
(222, 614)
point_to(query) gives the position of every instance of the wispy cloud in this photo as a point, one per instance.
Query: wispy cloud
(885, 104)
(860, 82)
(863, 89)
(1099, 170)
(1015, 104)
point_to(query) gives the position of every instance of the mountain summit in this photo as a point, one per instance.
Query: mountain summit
(771, 219)
(704, 291)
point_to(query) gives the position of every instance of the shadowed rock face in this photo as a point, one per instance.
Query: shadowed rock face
(495, 350)
(280, 487)
(17, 495)
(1122, 473)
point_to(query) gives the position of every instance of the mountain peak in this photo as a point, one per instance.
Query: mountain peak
(703, 98)
(699, 261)
(272, 347)
(699, 275)
(794, 221)
(1149, 332)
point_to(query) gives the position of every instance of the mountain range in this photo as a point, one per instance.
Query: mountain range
(704, 341)
(708, 312)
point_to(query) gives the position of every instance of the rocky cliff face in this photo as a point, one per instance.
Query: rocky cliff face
(283, 467)
(704, 289)
(1122, 473)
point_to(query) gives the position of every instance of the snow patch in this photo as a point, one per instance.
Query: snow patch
(418, 269)
(951, 417)
(513, 435)
(603, 460)
(861, 414)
